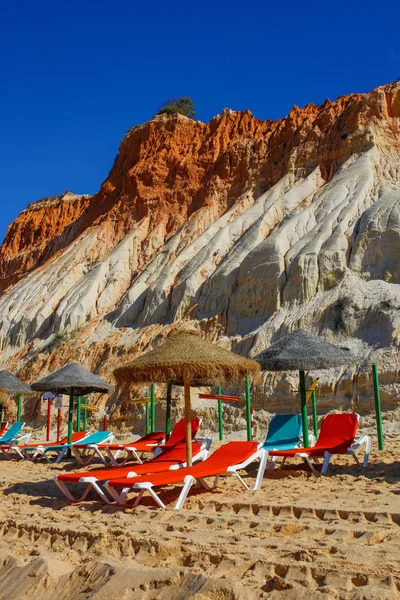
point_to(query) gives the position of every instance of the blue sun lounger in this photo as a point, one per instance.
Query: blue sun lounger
(62, 449)
(284, 433)
(13, 436)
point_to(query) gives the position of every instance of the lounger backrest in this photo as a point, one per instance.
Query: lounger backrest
(178, 433)
(14, 430)
(283, 429)
(338, 430)
(155, 437)
(96, 438)
(76, 436)
(176, 453)
(232, 453)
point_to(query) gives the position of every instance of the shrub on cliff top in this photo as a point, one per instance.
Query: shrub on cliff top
(182, 106)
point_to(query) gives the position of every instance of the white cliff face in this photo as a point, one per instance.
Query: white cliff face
(318, 249)
(274, 252)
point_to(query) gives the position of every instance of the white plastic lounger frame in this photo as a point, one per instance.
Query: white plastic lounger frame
(111, 456)
(93, 482)
(313, 460)
(84, 456)
(8, 450)
(41, 451)
(188, 482)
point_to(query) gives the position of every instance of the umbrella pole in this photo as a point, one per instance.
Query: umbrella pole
(153, 407)
(248, 408)
(314, 411)
(78, 413)
(220, 423)
(146, 415)
(188, 420)
(85, 401)
(58, 424)
(19, 408)
(303, 402)
(378, 412)
(70, 414)
(168, 412)
(49, 403)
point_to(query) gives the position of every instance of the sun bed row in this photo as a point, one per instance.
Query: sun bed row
(337, 436)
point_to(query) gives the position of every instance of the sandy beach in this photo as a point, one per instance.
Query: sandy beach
(300, 536)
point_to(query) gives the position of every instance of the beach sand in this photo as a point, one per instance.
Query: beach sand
(300, 536)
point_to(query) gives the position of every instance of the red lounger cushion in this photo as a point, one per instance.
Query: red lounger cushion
(163, 462)
(229, 454)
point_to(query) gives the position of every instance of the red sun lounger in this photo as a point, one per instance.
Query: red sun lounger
(169, 458)
(337, 436)
(111, 452)
(133, 449)
(227, 460)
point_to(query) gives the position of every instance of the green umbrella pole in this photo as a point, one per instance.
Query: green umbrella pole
(146, 415)
(168, 412)
(378, 412)
(248, 408)
(153, 407)
(314, 411)
(19, 408)
(85, 402)
(70, 415)
(78, 414)
(303, 402)
(220, 423)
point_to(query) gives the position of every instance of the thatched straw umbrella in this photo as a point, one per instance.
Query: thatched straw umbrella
(72, 380)
(12, 385)
(187, 359)
(300, 351)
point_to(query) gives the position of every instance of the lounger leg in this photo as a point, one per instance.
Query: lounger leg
(100, 455)
(282, 462)
(61, 455)
(367, 451)
(100, 492)
(138, 498)
(313, 469)
(156, 498)
(189, 481)
(261, 469)
(240, 479)
(354, 455)
(113, 458)
(114, 494)
(327, 458)
(205, 484)
(68, 494)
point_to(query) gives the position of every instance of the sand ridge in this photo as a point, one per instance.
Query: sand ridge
(298, 537)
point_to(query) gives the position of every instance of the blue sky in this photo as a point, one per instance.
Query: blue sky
(76, 75)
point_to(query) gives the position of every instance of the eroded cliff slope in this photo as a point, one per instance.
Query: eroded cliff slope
(248, 228)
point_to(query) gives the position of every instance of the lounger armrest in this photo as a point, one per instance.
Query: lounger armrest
(364, 439)
(360, 441)
(23, 437)
(204, 440)
(246, 463)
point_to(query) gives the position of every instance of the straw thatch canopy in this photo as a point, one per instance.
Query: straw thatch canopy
(303, 351)
(185, 356)
(73, 376)
(12, 385)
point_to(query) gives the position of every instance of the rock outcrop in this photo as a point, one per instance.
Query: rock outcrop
(247, 228)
